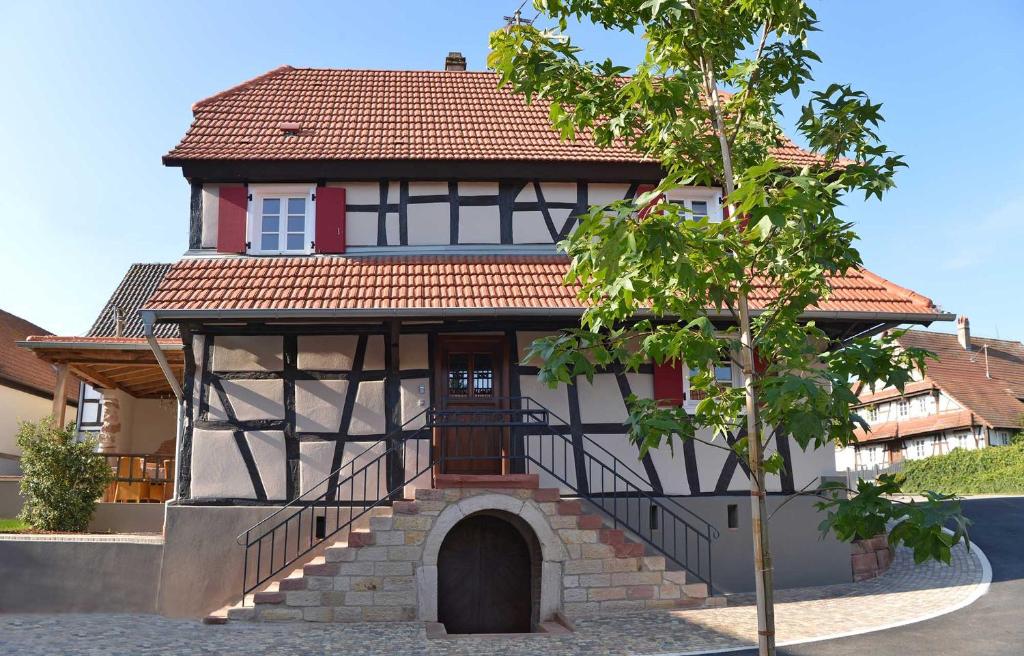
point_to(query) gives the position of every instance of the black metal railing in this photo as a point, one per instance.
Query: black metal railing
(334, 504)
(522, 437)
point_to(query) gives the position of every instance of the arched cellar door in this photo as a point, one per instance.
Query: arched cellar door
(484, 578)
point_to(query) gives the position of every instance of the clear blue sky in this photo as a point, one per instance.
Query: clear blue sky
(95, 93)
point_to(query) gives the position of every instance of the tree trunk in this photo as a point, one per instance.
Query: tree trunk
(763, 584)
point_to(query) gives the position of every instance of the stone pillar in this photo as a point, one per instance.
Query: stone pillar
(111, 430)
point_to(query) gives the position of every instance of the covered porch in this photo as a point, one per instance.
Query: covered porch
(127, 402)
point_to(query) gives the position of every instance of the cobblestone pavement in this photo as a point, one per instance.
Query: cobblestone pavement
(904, 593)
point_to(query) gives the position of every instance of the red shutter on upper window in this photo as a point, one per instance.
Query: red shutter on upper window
(231, 212)
(643, 189)
(668, 383)
(330, 220)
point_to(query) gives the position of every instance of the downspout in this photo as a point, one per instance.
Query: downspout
(148, 319)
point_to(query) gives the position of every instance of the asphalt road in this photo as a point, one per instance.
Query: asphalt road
(991, 626)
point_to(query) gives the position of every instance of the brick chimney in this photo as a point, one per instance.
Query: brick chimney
(454, 62)
(963, 332)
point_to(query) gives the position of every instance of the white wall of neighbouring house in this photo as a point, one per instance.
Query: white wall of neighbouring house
(16, 406)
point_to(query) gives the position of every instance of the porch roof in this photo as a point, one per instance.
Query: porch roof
(450, 285)
(124, 363)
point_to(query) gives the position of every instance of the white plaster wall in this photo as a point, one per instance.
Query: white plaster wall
(374, 360)
(602, 194)
(315, 460)
(368, 412)
(217, 467)
(268, 451)
(326, 352)
(601, 401)
(429, 224)
(528, 227)
(250, 399)
(415, 399)
(413, 352)
(319, 405)
(16, 406)
(479, 225)
(153, 421)
(360, 228)
(248, 353)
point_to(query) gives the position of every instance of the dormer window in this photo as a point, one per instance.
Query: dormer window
(700, 202)
(281, 219)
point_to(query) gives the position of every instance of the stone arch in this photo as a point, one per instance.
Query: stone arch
(552, 550)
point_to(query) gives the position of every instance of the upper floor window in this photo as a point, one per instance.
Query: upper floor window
(873, 413)
(922, 404)
(281, 219)
(904, 407)
(723, 372)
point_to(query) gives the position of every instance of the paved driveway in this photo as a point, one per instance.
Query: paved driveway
(992, 625)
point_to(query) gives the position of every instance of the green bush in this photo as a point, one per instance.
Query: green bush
(62, 479)
(995, 470)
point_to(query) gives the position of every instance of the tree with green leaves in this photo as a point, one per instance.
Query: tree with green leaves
(704, 102)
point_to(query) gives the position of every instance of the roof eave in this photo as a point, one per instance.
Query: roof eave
(443, 312)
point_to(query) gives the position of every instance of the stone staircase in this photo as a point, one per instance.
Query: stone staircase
(371, 576)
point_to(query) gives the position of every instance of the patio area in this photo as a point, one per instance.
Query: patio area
(905, 594)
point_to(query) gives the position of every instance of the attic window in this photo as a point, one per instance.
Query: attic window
(289, 128)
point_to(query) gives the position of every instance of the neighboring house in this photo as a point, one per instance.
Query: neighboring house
(971, 397)
(27, 387)
(138, 413)
(370, 254)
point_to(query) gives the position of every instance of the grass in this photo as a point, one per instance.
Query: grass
(13, 526)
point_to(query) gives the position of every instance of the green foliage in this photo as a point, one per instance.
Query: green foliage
(916, 524)
(660, 284)
(62, 479)
(996, 470)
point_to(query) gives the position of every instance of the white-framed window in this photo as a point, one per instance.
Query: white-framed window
(873, 413)
(922, 405)
(699, 202)
(919, 448)
(281, 219)
(724, 376)
(904, 407)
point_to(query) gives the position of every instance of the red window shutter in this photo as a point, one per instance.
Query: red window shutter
(668, 383)
(232, 210)
(643, 189)
(330, 220)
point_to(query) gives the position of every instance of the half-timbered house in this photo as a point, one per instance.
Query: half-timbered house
(370, 254)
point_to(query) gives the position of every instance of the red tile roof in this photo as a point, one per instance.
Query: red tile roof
(21, 367)
(443, 281)
(917, 426)
(388, 115)
(961, 374)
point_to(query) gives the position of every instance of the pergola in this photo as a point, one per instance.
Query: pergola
(123, 363)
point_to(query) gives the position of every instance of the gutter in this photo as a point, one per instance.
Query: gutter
(128, 346)
(363, 313)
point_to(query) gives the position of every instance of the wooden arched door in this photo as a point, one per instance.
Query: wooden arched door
(484, 578)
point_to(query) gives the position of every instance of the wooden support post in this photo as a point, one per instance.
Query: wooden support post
(60, 395)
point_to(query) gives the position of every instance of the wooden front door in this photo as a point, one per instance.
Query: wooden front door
(484, 578)
(472, 376)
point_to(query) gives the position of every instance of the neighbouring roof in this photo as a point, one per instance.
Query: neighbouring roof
(996, 401)
(346, 114)
(917, 426)
(455, 282)
(135, 288)
(21, 367)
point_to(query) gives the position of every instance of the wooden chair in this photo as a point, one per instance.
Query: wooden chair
(137, 490)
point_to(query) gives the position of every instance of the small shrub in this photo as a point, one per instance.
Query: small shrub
(62, 479)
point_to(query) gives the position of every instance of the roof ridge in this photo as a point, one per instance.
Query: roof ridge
(240, 87)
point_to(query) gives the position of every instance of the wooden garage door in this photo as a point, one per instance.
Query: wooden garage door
(484, 578)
